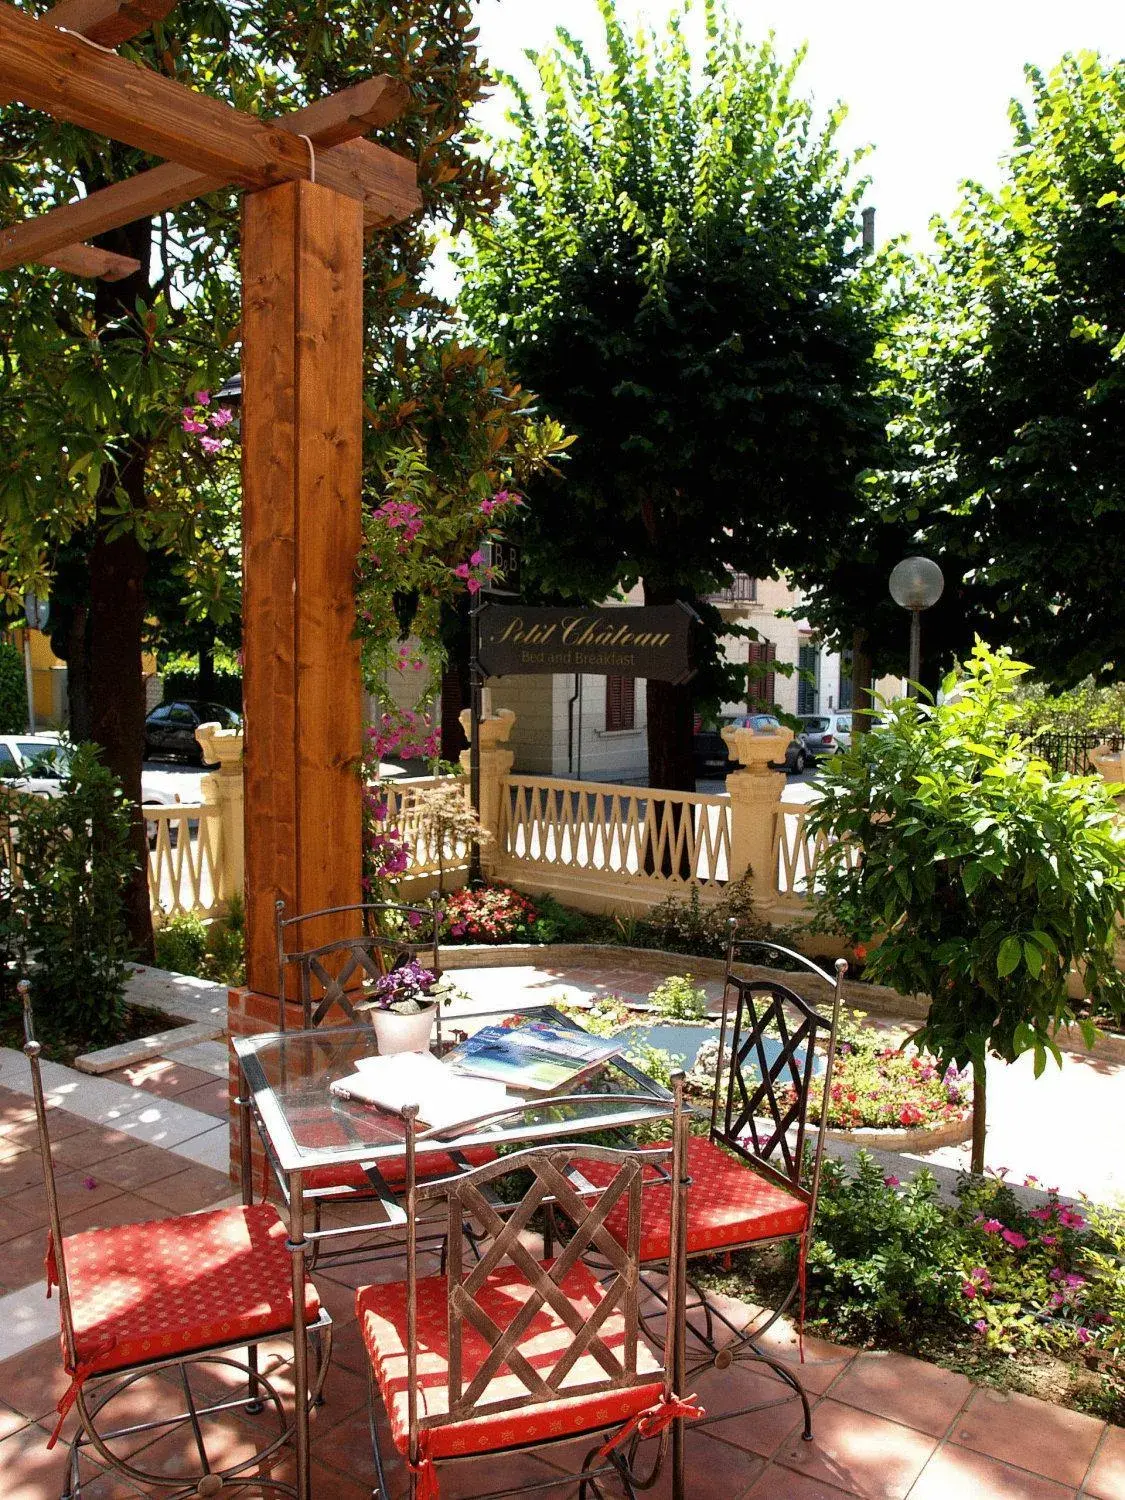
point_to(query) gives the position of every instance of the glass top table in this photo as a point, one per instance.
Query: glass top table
(288, 1075)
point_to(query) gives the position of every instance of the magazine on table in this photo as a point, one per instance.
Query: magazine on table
(442, 1096)
(534, 1058)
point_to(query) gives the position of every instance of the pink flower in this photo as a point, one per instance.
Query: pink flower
(211, 445)
(222, 416)
(477, 558)
(202, 398)
(1072, 1280)
(992, 1226)
(968, 1289)
(457, 929)
(1014, 1238)
(891, 1180)
(473, 585)
(1049, 1239)
(1044, 1215)
(461, 570)
(414, 918)
(1054, 1274)
(1070, 1220)
(189, 424)
(1084, 1335)
(981, 1326)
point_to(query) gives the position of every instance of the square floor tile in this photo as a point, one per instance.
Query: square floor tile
(777, 1483)
(906, 1390)
(1106, 1480)
(957, 1474)
(1047, 1440)
(869, 1456)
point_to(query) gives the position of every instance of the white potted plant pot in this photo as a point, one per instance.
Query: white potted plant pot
(399, 1032)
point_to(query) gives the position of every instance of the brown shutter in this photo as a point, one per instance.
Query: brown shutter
(620, 702)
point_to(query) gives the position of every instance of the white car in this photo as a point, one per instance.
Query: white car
(37, 763)
(826, 734)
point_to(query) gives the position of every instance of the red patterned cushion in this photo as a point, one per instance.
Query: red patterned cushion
(350, 1174)
(728, 1204)
(381, 1311)
(171, 1286)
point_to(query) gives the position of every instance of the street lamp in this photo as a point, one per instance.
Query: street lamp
(916, 584)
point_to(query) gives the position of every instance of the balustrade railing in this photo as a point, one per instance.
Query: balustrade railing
(621, 833)
(185, 859)
(797, 852)
(431, 859)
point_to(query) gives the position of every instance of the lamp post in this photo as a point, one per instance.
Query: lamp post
(916, 584)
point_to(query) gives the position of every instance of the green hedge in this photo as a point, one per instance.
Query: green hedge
(227, 688)
(13, 690)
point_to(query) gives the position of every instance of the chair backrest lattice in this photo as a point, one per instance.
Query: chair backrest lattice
(766, 1072)
(330, 976)
(610, 1363)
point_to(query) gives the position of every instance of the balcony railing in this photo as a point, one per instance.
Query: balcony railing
(742, 590)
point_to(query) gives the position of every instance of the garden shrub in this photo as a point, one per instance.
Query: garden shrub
(679, 998)
(13, 690)
(884, 1264)
(181, 943)
(74, 858)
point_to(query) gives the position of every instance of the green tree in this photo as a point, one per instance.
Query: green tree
(100, 481)
(985, 878)
(1009, 366)
(678, 272)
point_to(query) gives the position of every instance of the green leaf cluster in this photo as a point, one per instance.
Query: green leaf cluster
(985, 877)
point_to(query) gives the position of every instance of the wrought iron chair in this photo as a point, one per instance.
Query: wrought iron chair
(326, 974)
(510, 1351)
(392, 933)
(748, 1186)
(169, 1297)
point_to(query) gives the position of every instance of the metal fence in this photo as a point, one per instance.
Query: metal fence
(1069, 749)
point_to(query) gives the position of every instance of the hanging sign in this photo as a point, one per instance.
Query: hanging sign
(652, 642)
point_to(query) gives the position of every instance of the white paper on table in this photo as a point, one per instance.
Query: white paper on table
(443, 1097)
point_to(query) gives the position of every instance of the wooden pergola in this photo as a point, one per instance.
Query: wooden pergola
(313, 187)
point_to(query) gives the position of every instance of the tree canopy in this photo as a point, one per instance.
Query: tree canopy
(1008, 364)
(677, 270)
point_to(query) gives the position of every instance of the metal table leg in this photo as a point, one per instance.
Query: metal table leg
(296, 1245)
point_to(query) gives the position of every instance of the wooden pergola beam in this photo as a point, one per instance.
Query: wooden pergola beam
(66, 77)
(109, 22)
(89, 260)
(391, 191)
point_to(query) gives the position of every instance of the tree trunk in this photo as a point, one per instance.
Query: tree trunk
(671, 723)
(78, 673)
(976, 1164)
(115, 624)
(207, 672)
(861, 682)
(117, 697)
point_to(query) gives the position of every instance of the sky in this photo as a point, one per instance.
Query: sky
(927, 82)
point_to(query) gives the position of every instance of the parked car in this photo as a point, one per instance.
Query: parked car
(37, 763)
(826, 735)
(712, 758)
(170, 729)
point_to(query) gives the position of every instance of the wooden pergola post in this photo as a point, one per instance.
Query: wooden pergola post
(302, 330)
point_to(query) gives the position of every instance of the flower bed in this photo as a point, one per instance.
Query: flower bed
(491, 914)
(879, 1087)
(1027, 1295)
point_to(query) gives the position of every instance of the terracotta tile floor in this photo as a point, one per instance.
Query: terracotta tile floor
(885, 1427)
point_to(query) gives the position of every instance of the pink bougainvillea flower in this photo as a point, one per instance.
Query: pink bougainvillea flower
(477, 558)
(202, 398)
(222, 416)
(189, 424)
(461, 570)
(473, 585)
(211, 445)
(1014, 1238)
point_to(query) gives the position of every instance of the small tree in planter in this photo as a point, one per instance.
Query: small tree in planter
(984, 877)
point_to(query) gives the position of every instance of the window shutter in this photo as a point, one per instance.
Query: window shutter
(620, 703)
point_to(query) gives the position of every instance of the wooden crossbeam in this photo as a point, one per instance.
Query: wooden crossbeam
(109, 22)
(89, 260)
(68, 78)
(391, 191)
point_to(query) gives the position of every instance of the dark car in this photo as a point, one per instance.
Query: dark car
(170, 729)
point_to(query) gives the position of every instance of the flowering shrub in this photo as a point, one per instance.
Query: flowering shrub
(877, 1087)
(204, 421)
(492, 914)
(1040, 1278)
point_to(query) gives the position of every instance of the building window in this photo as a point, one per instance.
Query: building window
(808, 683)
(760, 685)
(620, 703)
